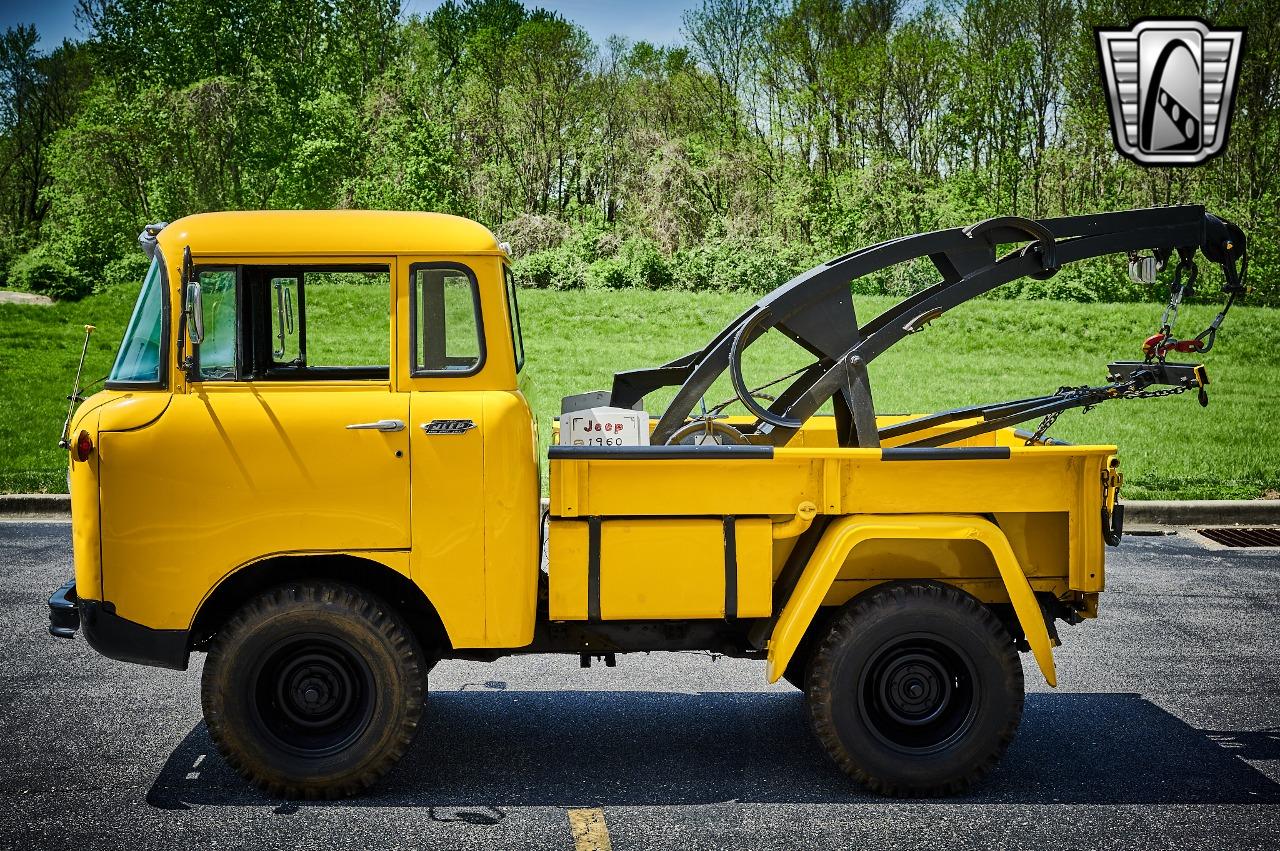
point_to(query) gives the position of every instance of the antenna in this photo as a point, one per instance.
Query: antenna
(75, 396)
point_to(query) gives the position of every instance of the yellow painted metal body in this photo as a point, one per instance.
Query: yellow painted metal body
(896, 520)
(663, 568)
(1051, 493)
(195, 481)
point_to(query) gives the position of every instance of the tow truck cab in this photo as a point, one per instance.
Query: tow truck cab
(353, 389)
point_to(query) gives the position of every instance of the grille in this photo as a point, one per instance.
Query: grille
(1243, 537)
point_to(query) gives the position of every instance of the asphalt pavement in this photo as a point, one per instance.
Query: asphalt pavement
(1164, 732)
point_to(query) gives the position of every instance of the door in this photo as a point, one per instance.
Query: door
(446, 356)
(289, 439)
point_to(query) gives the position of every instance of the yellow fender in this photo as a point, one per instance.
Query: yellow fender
(847, 532)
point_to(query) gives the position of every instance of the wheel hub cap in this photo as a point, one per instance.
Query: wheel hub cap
(314, 695)
(918, 693)
(915, 689)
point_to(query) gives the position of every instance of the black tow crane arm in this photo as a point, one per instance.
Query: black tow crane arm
(815, 309)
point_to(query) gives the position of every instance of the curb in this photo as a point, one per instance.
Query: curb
(1203, 512)
(21, 504)
(1198, 512)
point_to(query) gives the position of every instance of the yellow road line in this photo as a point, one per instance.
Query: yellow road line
(589, 831)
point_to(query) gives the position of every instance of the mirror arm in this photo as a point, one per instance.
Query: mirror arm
(184, 360)
(191, 327)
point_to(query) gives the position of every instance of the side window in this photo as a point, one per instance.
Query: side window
(346, 318)
(448, 334)
(141, 359)
(513, 309)
(218, 349)
(317, 322)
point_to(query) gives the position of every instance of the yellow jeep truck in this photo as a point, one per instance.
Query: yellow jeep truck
(314, 460)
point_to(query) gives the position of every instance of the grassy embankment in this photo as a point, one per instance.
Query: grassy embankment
(983, 351)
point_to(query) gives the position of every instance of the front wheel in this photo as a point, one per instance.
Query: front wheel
(916, 690)
(313, 690)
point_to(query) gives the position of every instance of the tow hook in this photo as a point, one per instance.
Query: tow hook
(1112, 516)
(1113, 525)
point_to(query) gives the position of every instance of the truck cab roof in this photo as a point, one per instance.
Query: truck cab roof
(326, 233)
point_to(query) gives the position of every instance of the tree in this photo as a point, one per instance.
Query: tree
(778, 130)
(38, 96)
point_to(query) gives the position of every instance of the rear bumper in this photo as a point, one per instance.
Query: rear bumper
(64, 617)
(113, 636)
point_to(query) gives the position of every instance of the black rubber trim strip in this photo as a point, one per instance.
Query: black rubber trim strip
(730, 567)
(593, 568)
(625, 453)
(943, 453)
(560, 517)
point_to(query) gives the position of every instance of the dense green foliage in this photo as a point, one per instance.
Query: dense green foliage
(1170, 448)
(778, 133)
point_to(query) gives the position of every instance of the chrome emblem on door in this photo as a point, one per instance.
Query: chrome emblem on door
(448, 426)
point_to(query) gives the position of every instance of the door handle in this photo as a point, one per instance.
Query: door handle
(380, 425)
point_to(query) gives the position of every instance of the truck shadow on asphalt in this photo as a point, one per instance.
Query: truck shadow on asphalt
(480, 751)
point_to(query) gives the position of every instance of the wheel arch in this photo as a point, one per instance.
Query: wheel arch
(845, 533)
(251, 579)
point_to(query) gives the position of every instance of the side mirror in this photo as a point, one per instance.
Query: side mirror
(195, 313)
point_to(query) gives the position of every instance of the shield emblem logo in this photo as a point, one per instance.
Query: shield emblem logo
(1171, 84)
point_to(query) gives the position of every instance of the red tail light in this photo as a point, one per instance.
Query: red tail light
(84, 446)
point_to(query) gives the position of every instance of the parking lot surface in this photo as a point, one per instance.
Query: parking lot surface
(1164, 733)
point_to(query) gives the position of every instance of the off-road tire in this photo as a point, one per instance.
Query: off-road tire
(314, 690)
(915, 690)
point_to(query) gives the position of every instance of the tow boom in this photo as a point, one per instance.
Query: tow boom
(815, 309)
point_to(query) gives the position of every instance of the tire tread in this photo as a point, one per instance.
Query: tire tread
(844, 628)
(354, 602)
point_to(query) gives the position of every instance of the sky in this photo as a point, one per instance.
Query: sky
(651, 20)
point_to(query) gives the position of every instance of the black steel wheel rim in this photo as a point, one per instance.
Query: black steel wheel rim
(918, 693)
(313, 695)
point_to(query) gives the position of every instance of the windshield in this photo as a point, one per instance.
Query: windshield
(139, 359)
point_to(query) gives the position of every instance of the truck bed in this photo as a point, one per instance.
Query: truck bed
(687, 532)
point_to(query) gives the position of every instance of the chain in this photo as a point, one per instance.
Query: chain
(1045, 425)
(1177, 292)
(1153, 394)
(1123, 390)
(1052, 417)
(1184, 282)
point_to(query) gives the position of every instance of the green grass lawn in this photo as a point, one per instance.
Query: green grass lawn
(983, 351)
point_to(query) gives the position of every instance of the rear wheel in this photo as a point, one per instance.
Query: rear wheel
(313, 690)
(915, 690)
